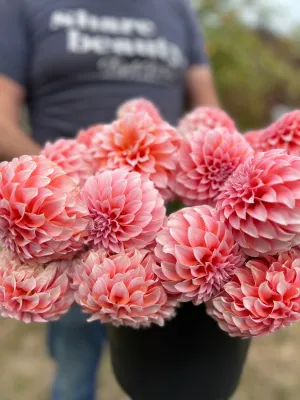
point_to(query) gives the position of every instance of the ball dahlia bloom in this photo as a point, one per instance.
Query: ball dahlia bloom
(261, 298)
(139, 105)
(206, 118)
(283, 134)
(206, 159)
(86, 136)
(261, 203)
(138, 143)
(72, 157)
(121, 289)
(197, 254)
(253, 138)
(125, 209)
(42, 217)
(34, 293)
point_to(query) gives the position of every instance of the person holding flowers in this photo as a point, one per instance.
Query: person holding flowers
(72, 63)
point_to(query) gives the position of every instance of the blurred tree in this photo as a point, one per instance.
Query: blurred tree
(254, 68)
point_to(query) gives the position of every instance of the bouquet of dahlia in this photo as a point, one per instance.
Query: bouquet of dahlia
(86, 222)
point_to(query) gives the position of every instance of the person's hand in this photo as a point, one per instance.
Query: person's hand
(14, 142)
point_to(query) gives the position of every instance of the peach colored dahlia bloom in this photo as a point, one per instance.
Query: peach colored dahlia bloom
(283, 134)
(86, 136)
(72, 157)
(206, 159)
(121, 289)
(138, 143)
(261, 203)
(261, 298)
(206, 118)
(34, 293)
(253, 138)
(197, 254)
(139, 105)
(125, 208)
(42, 217)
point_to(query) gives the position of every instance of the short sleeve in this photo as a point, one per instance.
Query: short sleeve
(13, 41)
(196, 46)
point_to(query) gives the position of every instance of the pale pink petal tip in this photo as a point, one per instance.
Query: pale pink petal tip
(138, 143)
(86, 136)
(42, 217)
(34, 293)
(139, 104)
(196, 254)
(260, 203)
(121, 289)
(206, 118)
(282, 134)
(254, 139)
(206, 159)
(261, 298)
(125, 209)
(72, 156)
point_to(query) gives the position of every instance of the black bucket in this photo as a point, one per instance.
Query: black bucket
(188, 359)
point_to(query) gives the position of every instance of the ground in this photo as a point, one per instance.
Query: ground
(272, 371)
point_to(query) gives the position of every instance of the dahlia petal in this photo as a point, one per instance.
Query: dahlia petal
(28, 194)
(290, 174)
(28, 285)
(258, 274)
(184, 255)
(119, 293)
(179, 235)
(185, 287)
(211, 240)
(195, 236)
(152, 298)
(285, 196)
(258, 212)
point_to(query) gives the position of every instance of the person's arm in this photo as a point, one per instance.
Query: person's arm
(14, 64)
(200, 86)
(13, 141)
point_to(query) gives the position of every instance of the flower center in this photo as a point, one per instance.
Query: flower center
(104, 225)
(104, 230)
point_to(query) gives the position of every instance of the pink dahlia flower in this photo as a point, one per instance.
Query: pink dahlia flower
(139, 105)
(125, 208)
(34, 293)
(205, 161)
(72, 157)
(253, 138)
(121, 289)
(261, 203)
(206, 118)
(261, 298)
(86, 136)
(139, 144)
(42, 217)
(283, 134)
(197, 254)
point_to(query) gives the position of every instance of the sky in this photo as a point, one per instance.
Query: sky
(287, 14)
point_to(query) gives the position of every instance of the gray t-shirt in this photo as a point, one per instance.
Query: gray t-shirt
(79, 59)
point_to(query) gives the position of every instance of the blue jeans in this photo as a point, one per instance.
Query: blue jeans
(76, 347)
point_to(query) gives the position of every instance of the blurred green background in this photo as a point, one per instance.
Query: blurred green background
(256, 68)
